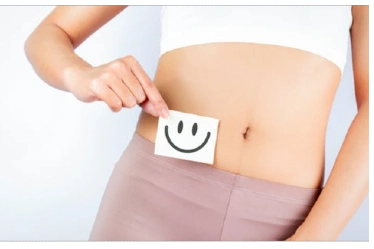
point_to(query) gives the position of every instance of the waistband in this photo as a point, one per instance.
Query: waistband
(237, 182)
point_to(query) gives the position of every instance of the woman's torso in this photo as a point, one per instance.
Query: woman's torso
(273, 103)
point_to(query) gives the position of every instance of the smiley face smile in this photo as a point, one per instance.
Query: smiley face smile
(194, 130)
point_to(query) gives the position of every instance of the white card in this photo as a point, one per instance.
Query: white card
(187, 136)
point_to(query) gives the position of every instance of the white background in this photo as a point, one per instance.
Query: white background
(56, 153)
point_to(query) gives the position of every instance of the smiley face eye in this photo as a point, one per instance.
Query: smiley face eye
(194, 129)
(180, 126)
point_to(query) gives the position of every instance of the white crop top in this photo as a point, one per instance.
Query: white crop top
(322, 30)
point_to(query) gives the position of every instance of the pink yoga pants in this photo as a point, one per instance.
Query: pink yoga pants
(156, 198)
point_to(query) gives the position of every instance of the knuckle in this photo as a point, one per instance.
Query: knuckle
(149, 84)
(131, 59)
(141, 97)
(94, 86)
(116, 65)
(105, 77)
(130, 102)
(116, 106)
(114, 110)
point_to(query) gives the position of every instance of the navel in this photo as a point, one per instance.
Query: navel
(245, 132)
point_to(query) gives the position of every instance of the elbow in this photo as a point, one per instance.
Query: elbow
(28, 46)
(31, 45)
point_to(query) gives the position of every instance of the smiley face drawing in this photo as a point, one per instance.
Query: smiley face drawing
(187, 136)
(180, 129)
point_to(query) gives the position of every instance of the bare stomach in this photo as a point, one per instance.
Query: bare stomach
(273, 104)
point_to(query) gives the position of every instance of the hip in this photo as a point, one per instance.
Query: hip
(151, 197)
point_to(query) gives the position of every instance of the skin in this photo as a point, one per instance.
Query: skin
(273, 104)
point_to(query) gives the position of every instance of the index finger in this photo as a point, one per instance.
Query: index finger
(150, 89)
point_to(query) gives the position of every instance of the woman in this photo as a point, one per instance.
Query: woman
(269, 75)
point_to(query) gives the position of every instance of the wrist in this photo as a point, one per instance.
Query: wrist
(71, 75)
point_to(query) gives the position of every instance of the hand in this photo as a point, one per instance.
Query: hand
(120, 83)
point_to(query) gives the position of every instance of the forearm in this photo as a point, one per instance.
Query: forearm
(51, 54)
(345, 189)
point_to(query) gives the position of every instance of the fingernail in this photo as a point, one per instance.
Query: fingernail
(165, 113)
